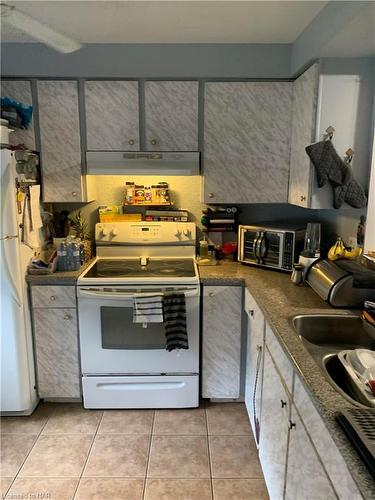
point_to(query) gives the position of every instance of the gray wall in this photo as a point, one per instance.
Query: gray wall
(149, 60)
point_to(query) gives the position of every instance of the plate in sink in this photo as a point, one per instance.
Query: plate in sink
(358, 385)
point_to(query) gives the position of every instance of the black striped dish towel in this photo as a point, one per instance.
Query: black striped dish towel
(148, 308)
(174, 308)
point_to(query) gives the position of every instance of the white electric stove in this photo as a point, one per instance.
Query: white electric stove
(125, 365)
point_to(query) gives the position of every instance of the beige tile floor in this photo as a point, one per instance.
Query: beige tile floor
(64, 452)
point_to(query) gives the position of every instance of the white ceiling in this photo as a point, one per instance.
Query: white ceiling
(226, 21)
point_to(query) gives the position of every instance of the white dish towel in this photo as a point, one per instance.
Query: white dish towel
(148, 308)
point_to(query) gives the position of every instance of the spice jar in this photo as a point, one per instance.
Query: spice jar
(129, 193)
(139, 194)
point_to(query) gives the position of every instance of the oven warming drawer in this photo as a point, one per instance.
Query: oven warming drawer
(165, 391)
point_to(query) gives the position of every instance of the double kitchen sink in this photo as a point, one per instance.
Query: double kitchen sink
(324, 336)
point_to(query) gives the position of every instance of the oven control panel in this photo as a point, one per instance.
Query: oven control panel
(133, 233)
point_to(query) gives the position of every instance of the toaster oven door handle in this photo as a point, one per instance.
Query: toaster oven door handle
(262, 250)
(255, 248)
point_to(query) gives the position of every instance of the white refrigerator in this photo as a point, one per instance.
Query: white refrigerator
(18, 385)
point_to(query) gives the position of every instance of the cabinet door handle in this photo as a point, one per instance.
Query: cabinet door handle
(74, 193)
(67, 317)
(131, 142)
(251, 312)
(283, 403)
(259, 347)
(52, 298)
(303, 198)
(211, 294)
(153, 142)
(210, 195)
(292, 425)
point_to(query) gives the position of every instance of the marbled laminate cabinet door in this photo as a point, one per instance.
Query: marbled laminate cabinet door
(56, 342)
(112, 115)
(254, 360)
(60, 141)
(222, 308)
(305, 476)
(305, 99)
(274, 429)
(171, 116)
(247, 142)
(20, 90)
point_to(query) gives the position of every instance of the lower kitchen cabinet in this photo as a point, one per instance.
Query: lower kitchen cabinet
(221, 345)
(254, 361)
(305, 476)
(56, 343)
(274, 424)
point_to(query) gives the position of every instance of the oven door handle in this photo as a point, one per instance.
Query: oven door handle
(119, 296)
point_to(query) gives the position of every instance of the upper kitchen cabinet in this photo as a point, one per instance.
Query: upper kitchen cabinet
(112, 115)
(322, 100)
(247, 142)
(60, 141)
(305, 98)
(20, 90)
(171, 110)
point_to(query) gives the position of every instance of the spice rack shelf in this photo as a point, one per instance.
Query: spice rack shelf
(148, 204)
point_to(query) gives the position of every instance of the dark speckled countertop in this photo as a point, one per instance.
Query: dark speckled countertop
(58, 278)
(280, 300)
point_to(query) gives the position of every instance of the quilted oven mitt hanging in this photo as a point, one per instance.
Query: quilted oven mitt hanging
(331, 168)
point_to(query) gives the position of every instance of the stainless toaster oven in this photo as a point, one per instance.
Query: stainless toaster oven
(270, 245)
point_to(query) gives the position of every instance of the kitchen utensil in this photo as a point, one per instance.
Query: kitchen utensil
(312, 240)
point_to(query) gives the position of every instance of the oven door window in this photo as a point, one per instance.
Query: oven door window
(119, 332)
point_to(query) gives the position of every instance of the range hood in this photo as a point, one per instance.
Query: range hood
(142, 163)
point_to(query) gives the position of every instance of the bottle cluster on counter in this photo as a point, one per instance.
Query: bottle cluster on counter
(70, 254)
(138, 194)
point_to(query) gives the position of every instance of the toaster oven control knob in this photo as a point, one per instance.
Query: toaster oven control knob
(114, 231)
(103, 232)
(187, 233)
(178, 234)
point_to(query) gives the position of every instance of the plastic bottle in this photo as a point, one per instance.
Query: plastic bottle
(203, 247)
(61, 255)
(76, 256)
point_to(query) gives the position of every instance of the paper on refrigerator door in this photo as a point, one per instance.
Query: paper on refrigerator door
(36, 220)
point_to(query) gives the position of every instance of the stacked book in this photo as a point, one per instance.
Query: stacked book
(167, 215)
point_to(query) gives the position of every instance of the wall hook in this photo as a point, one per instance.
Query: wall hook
(329, 133)
(349, 155)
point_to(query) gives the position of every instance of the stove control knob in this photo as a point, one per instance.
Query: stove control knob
(187, 233)
(103, 232)
(178, 234)
(114, 231)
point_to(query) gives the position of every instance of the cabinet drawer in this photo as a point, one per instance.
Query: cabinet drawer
(53, 296)
(280, 358)
(330, 456)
